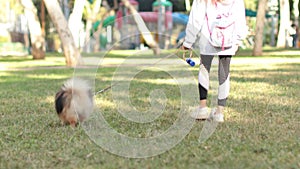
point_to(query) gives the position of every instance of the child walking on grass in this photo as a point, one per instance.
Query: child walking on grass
(222, 27)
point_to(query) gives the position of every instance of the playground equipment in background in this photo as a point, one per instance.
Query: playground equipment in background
(130, 36)
(106, 36)
(159, 22)
(124, 24)
(180, 19)
(164, 9)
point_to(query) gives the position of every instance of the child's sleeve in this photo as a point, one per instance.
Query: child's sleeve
(241, 24)
(196, 19)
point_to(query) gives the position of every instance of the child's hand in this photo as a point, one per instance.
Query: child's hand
(182, 51)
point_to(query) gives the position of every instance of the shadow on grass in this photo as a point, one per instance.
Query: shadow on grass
(14, 58)
(271, 52)
(287, 74)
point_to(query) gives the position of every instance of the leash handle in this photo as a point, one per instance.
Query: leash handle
(189, 59)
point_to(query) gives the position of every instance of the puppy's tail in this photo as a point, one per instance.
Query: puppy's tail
(77, 84)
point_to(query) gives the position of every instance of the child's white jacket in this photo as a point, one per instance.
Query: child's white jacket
(198, 24)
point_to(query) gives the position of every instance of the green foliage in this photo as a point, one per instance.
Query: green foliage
(4, 39)
(7, 6)
(89, 8)
(251, 4)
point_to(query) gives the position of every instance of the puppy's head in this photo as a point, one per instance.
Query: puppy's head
(63, 107)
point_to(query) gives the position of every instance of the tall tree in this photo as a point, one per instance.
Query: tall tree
(92, 10)
(296, 11)
(142, 27)
(260, 21)
(284, 23)
(36, 36)
(187, 5)
(72, 54)
(75, 19)
(105, 11)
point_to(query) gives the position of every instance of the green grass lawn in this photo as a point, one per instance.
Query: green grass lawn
(261, 129)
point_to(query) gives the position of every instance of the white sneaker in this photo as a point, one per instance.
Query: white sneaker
(217, 116)
(200, 113)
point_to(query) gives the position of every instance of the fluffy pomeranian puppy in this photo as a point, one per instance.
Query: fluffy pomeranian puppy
(74, 102)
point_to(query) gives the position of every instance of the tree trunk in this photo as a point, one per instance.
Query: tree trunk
(296, 11)
(43, 19)
(260, 21)
(284, 23)
(96, 35)
(87, 44)
(92, 11)
(75, 20)
(146, 34)
(72, 54)
(65, 7)
(187, 5)
(36, 36)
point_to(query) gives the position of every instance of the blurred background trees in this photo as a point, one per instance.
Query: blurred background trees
(36, 37)
(259, 29)
(71, 52)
